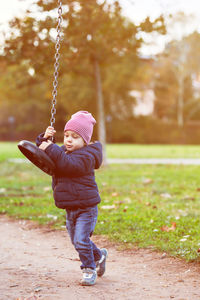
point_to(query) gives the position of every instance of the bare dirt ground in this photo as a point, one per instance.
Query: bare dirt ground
(38, 263)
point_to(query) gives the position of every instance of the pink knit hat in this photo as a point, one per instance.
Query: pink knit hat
(82, 123)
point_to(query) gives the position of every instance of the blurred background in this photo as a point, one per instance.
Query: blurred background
(134, 64)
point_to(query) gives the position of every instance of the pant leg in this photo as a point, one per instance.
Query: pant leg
(96, 251)
(85, 224)
(70, 224)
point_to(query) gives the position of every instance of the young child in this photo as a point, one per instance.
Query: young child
(75, 189)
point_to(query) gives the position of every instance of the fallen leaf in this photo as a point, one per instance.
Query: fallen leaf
(19, 204)
(127, 200)
(164, 255)
(108, 207)
(26, 188)
(133, 192)
(37, 289)
(114, 194)
(49, 216)
(147, 181)
(14, 285)
(119, 202)
(189, 198)
(165, 195)
(47, 188)
(167, 229)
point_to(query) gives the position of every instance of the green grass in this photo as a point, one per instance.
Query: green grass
(152, 151)
(9, 150)
(123, 151)
(146, 198)
(137, 201)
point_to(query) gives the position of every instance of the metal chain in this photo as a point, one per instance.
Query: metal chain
(56, 64)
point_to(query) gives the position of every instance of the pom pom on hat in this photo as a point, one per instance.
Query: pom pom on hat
(82, 123)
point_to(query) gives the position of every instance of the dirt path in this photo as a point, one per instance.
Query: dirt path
(36, 263)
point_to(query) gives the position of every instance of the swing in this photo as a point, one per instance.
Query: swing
(37, 156)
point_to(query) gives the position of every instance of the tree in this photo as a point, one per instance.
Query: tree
(177, 67)
(101, 43)
(99, 57)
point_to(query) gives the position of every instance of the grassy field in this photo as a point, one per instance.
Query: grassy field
(145, 206)
(152, 151)
(123, 151)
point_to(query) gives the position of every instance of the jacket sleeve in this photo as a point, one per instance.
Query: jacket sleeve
(41, 139)
(73, 164)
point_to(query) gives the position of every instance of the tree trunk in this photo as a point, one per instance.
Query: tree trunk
(100, 107)
(180, 101)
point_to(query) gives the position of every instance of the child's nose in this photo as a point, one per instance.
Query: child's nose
(69, 138)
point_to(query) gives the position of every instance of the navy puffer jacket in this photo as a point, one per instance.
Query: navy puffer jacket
(73, 183)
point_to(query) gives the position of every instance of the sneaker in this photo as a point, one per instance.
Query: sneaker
(101, 264)
(89, 277)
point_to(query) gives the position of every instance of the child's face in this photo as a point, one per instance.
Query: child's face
(73, 141)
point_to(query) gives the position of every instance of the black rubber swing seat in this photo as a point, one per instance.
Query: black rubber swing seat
(37, 156)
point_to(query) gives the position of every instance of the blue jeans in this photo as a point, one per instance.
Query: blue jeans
(80, 224)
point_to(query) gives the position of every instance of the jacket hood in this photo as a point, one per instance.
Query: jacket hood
(96, 150)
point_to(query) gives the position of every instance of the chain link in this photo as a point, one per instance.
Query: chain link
(56, 64)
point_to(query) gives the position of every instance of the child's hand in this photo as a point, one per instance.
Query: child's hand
(44, 145)
(49, 132)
